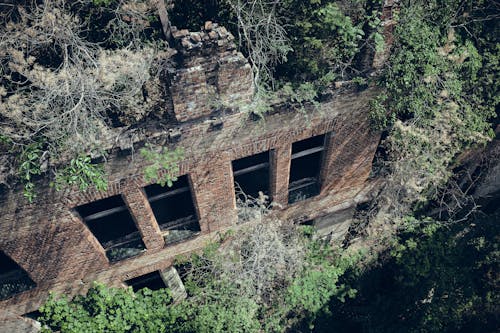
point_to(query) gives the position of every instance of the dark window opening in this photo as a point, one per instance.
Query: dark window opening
(152, 280)
(13, 279)
(251, 175)
(174, 210)
(305, 168)
(308, 222)
(33, 315)
(111, 223)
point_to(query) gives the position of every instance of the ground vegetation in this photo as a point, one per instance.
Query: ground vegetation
(266, 279)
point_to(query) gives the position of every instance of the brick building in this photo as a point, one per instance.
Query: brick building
(315, 166)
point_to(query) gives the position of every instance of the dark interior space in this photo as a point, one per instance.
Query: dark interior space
(252, 174)
(151, 280)
(305, 168)
(100, 206)
(111, 223)
(111, 227)
(313, 142)
(13, 279)
(174, 210)
(156, 189)
(33, 315)
(250, 161)
(170, 204)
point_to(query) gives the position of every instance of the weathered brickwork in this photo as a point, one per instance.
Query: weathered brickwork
(212, 73)
(53, 245)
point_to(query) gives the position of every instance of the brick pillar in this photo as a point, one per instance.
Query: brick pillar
(213, 193)
(143, 215)
(328, 156)
(173, 281)
(280, 173)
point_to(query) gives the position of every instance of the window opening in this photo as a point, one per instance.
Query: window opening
(33, 315)
(174, 210)
(111, 223)
(167, 278)
(305, 168)
(152, 280)
(251, 175)
(13, 279)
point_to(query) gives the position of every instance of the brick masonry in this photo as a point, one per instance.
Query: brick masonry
(211, 73)
(48, 239)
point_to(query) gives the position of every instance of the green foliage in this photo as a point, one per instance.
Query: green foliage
(82, 173)
(432, 69)
(378, 113)
(102, 2)
(434, 101)
(29, 166)
(105, 309)
(217, 302)
(299, 95)
(319, 283)
(325, 36)
(328, 36)
(5, 140)
(220, 303)
(165, 165)
(438, 278)
(220, 308)
(192, 14)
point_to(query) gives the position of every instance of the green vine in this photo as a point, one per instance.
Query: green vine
(82, 173)
(165, 165)
(30, 167)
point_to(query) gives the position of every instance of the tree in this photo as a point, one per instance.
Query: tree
(62, 88)
(266, 279)
(437, 97)
(105, 309)
(435, 278)
(262, 34)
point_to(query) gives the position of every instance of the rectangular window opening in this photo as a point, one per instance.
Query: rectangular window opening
(152, 280)
(13, 278)
(111, 223)
(174, 210)
(251, 175)
(305, 167)
(33, 315)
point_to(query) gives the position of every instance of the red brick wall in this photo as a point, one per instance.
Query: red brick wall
(58, 251)
(210, 73)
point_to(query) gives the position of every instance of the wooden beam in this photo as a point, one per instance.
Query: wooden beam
(308, 152)
(250, 169)
(104, 213)
(165, 21)
(168, 194)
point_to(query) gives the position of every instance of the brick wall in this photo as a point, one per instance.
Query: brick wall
(210, 73)
(48, 239)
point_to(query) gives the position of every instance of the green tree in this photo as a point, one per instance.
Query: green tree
(435, 279)
(437, 98)
(105, 309)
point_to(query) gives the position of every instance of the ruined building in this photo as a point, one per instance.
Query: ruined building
(316, 167)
